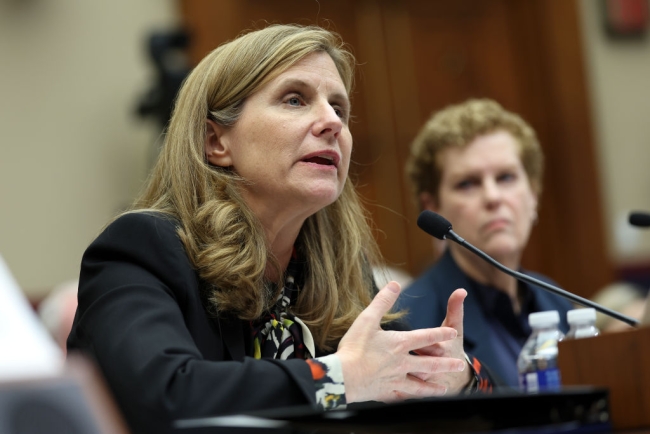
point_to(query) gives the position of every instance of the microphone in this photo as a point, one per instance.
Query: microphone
(639, 219)
(439, 227)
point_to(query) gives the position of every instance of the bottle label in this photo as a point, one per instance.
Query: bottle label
(539, 381)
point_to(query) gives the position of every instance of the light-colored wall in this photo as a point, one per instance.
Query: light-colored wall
(619, 83)
(72, 151)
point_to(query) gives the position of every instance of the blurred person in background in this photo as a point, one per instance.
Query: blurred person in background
(481, 168)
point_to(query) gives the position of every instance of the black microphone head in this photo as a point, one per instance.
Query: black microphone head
(640, 219)
(434, 224)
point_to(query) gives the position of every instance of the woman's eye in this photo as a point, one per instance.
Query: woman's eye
(294, 101)
(507, 177)
(465, 184)
(343, 112)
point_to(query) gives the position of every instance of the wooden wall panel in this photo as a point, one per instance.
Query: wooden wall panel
(375, 84)
(569, 243)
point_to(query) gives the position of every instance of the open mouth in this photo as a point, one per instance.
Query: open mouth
(323, 160)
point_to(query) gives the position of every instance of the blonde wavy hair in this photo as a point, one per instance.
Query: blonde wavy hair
(457, 126)
(222, 236)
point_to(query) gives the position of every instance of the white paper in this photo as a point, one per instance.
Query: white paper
(26, 348)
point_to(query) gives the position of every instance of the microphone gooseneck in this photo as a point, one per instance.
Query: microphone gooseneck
(639, 219)
(439, 227)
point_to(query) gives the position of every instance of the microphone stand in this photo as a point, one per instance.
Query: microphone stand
(577, 299)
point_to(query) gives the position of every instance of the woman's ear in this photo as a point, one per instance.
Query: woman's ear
(427, 201)
(216, 151)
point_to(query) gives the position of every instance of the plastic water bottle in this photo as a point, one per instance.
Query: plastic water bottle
(537, 362)
(582, 323)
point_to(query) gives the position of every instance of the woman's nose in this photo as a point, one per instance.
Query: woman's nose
(491, 191)
(328, 121)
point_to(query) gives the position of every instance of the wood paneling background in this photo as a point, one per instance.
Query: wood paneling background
(418, 56)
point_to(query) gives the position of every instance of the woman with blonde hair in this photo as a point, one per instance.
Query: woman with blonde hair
(241, 279)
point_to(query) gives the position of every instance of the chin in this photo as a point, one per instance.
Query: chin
(322, 197)
(502, 248)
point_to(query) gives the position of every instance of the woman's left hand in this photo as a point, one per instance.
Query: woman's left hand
(453, 381)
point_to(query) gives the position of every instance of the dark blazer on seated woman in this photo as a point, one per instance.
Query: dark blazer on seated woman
(488, 312)
(148, 325)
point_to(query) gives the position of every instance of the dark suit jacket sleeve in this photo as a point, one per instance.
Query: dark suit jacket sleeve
(140, 317)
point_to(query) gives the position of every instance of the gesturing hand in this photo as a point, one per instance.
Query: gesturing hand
(377, 365)
(454, 381)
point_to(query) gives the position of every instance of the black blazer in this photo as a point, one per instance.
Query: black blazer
(141, 318)
(426, 301)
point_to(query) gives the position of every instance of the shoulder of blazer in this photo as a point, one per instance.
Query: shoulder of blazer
(150, 241)
(155, 234)
(163, 224)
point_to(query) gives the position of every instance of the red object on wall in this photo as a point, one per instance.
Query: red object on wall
(626, 17)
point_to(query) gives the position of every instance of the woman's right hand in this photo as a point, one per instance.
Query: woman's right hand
(377, 364)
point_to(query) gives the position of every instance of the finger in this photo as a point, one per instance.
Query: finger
(435, 350)
(414, 387)
(428, 365)
(439, 379)
(454, 316)
(381, 304)
(417, 339)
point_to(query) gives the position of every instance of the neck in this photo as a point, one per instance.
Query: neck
(281, 224)
(281, 238)
(281, 249)
(486, 274)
